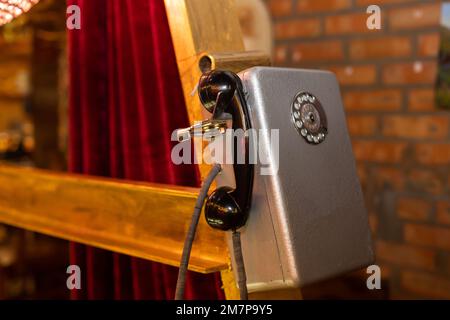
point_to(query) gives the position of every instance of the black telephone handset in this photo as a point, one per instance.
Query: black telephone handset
(221, 93)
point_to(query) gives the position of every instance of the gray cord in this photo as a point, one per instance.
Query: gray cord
(181, 282)
(238, 257)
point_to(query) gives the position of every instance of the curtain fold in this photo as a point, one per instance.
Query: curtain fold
(125, 101)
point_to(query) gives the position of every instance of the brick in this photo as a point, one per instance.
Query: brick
(433, 154)
(444, 262)
(379, 2)
(299, 28)
(281, 54)
(415, 17)
(355, 75)
(427, 285)
(426, 181)
(377, 151)
(421, 100)
(389, 178)
(311, 6)
(347, 24)
(383, 47)
(410, 73)
(432, 236)
(279, 8)
(373, 223)
(318, 51)
(373, 100)
(386, 271)
(443, 212)
(411, 208)
(405, 255)
(429, 45)
(362, 172)
(416, 127)
(362, 125)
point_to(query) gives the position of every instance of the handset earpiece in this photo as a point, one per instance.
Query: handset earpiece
(216, 91)
(221, 93)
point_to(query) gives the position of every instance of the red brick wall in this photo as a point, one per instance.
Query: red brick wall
(401, 140)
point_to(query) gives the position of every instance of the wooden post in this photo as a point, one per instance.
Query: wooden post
(199, 27)
(209, 29)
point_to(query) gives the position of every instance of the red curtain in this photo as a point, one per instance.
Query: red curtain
(125, 101)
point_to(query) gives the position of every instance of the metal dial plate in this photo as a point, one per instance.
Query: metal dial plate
(309, 118)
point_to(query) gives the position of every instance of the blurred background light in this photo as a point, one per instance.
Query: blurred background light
(10, 9)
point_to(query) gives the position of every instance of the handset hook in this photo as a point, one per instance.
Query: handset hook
(221, 93)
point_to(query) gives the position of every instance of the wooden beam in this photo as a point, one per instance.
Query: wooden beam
(144, 220)
(199, 27)
(236, 61)
(209, 29)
